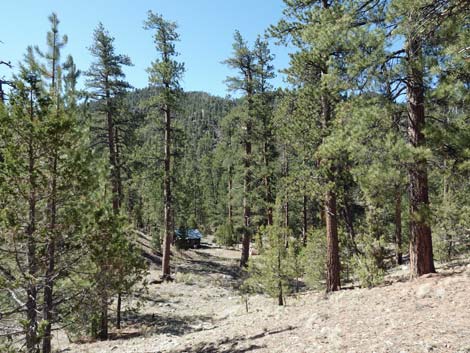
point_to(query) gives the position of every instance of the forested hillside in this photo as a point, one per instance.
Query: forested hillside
(357, 169)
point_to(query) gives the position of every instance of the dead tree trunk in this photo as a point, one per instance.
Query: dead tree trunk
(421, 253)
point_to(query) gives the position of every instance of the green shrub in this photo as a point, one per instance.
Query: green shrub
(226, 235)
(270, 272)
(368, 265)
(314, 259)
(366, 271)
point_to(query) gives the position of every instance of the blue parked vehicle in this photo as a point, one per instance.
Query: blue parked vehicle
(188, 238)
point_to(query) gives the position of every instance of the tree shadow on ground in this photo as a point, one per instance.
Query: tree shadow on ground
(449, 269)
(171, 324)
(208, 264)
(237, 344)
(152, 258)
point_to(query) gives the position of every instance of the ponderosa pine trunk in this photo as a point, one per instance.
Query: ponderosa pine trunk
(331, 218)
(421, 253)
(332, 244)
(103, 328)
(167, 236)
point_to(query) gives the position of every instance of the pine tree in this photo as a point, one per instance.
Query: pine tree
(421, 253)
(28, 109)
(416, 24)
(106, 80)
(52, 71)
(243, 61)
(33, 131)
(264, 106)
(317, 61)
(228, 153)
(327, 69)
(165, 73)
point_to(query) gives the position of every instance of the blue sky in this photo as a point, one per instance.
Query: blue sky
(206, 28)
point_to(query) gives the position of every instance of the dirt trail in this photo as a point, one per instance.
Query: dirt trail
(201, 312)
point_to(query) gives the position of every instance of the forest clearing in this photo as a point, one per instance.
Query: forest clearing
(203, 312)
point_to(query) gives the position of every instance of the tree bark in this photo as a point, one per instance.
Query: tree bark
(118, 311)
(421, 253)
(103, 330)
(332, 244)
(331, 217)
(167, 237)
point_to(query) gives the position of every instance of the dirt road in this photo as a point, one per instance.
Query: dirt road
(202, 312)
